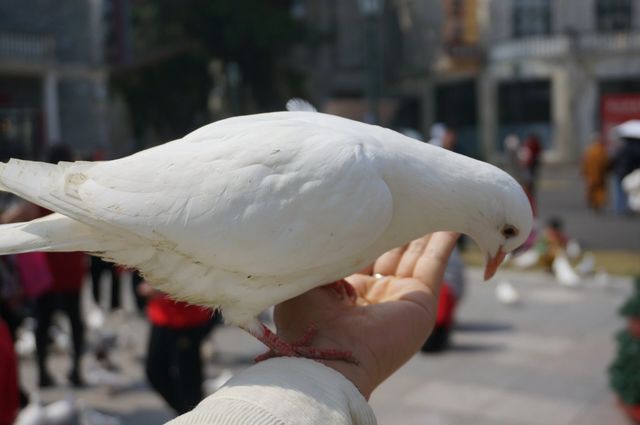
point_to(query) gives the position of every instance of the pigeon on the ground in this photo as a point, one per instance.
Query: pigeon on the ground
(527, 259)
(506, 293)
(61, 412)
(250, 211)
(587, 265)
(33, 413)
(563, 271)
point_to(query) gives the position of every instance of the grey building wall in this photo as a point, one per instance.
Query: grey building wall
(68, 21)
(83, 113)
(574, 57)
(75, 111)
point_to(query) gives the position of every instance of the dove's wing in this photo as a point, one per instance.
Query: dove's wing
(269, 197)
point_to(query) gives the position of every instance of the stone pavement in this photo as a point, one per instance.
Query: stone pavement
(561, 193)
(542, 362)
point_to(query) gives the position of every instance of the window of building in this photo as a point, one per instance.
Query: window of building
(524, 108)
(456, 107)
(531, 17)
(613, 15)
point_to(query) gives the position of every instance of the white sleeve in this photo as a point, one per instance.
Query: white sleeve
(283, 391)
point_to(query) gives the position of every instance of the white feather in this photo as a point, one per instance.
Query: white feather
(250, 211)
(564, 273)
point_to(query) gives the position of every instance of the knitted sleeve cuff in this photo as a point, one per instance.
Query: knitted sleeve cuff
(283, 391)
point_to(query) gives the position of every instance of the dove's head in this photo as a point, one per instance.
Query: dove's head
(503, 220)
(436, 189)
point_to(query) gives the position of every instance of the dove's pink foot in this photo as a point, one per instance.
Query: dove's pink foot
(301, 348)
(344, 289)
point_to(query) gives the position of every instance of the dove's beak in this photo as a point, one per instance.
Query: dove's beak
(493, 263)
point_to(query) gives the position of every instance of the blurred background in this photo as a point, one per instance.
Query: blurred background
(538, 87)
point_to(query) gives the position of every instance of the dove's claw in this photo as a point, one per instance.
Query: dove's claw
(305, 341)
(301, 348)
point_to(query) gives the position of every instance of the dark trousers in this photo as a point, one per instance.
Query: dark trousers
(46, 305)
(99, 266)
(174, 365)
(141, 302)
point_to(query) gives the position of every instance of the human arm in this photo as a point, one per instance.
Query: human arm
(387, 325)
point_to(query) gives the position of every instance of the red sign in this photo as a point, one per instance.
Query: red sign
(616, 109)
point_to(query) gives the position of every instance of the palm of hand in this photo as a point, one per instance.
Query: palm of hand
(391, 319)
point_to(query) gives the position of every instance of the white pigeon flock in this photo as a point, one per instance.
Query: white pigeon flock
(250, 211)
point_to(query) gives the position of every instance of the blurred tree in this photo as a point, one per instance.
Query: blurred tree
(167, 84)
(624, 372)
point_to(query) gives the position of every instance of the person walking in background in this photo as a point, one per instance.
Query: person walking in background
(140, 300)
(450, 140)
(438, 133)
(67, 270)
(530, 160)
(626, 159)
(595, 167)
(174, 361)
(512, 159)
(98, 267)
(9, 393)
(451, 292)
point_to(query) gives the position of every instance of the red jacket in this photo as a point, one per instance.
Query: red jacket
(67, 268)
(163, 311)
(9, 399)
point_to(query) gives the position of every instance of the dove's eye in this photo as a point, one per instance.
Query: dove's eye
(509, 231)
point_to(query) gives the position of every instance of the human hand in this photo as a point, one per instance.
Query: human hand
(391, 319)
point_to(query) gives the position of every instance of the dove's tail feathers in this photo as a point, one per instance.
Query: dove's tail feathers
(20, 176)
(48, 185)
(53, 233)
(32, 180)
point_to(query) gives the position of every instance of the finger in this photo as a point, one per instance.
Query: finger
(431, 265)
(360, 283)
(387, 263)
(410, 256)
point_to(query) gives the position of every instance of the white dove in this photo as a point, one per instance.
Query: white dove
(250, 211)
(506, 293)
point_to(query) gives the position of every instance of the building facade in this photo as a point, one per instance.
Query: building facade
(53, 80)
(561, 69)
(370, 65)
